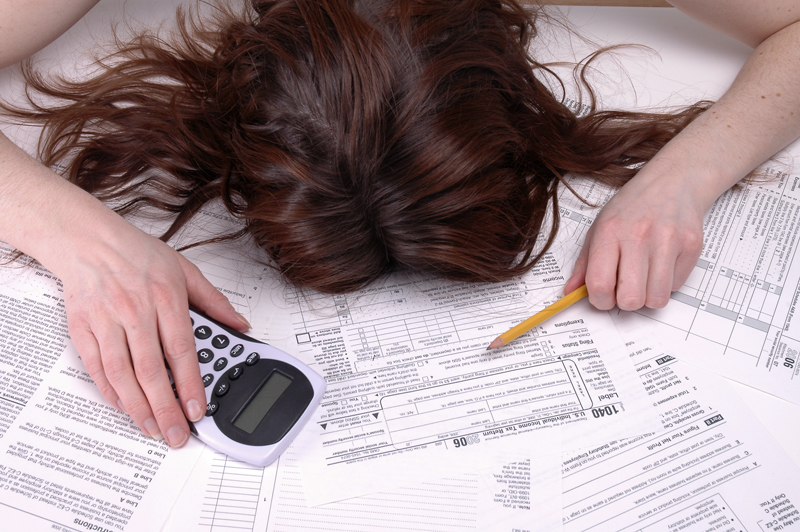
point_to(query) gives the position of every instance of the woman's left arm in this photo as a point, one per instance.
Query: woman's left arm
(647, 239)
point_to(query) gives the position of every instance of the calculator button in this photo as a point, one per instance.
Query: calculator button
(220, 341)
(208, 378)
(237, 350)
(192, 320)
(235, 372)
(211, 408)
(252, 358)
(205, 356)
(202, 332)
(220, 364)
(222, 389)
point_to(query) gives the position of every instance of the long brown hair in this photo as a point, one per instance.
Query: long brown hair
(352, 137)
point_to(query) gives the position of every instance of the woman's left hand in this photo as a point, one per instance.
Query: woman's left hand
(643, 244)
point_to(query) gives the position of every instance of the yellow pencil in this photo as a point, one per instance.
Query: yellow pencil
(539, 317)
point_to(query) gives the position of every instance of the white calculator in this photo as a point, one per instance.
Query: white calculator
(258, 397)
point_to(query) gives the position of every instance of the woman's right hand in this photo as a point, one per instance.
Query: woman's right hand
(127, 294)
(127, 309)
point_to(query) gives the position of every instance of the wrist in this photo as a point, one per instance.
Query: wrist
(698, 178)
(44, 215)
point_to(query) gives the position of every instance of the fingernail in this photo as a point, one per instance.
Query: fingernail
(176, 437)
(194, 411)
(152, 429)
(243, 320)
(121, 406)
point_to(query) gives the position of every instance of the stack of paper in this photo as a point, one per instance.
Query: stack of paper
(592, 421)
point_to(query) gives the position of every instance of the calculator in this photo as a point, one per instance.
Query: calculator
(258, 397)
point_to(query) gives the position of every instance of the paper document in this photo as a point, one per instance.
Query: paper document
(711, 467)
(410, 382)
(68, 460)
(224, 494)
(737, 314)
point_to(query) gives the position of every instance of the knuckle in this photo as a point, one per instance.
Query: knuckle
(693, 242)
(601, 288)
(657, 301)
(630, 301)
(162, 293)
(611, 224)
(179, 347)
(127, 307)
(641, 233)
(137, 407)
(601, 304)
(106, 389)
(165, 410)
(149, 369)
(669, 231)
(94, 366)
(115, 368)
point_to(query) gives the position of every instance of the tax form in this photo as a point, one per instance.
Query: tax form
(224, 494)
(410, 381)
(68, 460)
(712, 466)
(737, 313)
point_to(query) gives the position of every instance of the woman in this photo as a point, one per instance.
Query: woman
(324, 98)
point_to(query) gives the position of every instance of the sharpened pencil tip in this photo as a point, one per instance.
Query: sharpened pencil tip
(497, 342)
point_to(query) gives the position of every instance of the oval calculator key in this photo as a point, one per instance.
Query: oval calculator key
(205, 355)
(255, 408)
(220, 341)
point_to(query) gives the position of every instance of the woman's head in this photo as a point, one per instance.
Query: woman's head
(368, 136)
(352, 137)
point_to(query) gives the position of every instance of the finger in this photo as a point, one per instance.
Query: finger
(601, 276)
(205, 297)
(578, 277)
(151, 374)
(632, 277)
(89, 351)
(687, 259)
(660, 278)
(178, 342)
(117, 368)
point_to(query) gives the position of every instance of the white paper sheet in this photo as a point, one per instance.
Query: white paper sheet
(711, 467)
(224, 494)
(413, 393)
(736, 313)
(521, 496)
(67, 459)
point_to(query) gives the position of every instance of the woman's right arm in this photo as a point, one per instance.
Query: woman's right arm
(126, 293)
(28, 26)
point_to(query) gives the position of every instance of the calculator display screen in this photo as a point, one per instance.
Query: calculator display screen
(261, 403)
